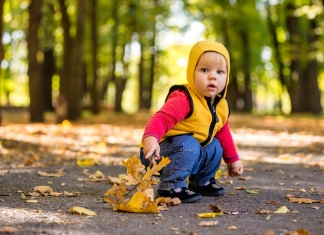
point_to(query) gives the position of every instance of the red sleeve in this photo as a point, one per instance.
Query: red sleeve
(226, 140)
(169, 115)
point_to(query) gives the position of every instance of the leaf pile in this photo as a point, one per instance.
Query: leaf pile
(143, 199)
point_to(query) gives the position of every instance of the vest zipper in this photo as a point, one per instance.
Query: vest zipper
(213, 123)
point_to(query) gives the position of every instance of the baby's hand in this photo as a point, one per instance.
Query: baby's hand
(235, 168)
(151, 146)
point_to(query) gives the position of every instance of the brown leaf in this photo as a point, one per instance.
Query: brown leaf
(174, 202)
(264, 212)
(244, 178)
(240, 188)
(269, 232)
(305, 200)
(272, 203)
(216, 208)
(43, 190)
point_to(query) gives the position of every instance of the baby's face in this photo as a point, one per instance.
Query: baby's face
(210, 78)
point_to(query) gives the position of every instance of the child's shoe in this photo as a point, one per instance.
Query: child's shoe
(184, 194)
(211, 189)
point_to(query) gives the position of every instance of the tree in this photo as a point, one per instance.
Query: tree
(1, 49)
(72, 71)
(94, 51)
(34, 69)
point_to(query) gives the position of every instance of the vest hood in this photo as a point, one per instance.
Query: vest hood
(196, 51)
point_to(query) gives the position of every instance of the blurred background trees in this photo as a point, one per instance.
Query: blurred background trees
(66, 56)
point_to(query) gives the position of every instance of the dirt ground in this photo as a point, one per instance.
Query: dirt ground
(281, 156)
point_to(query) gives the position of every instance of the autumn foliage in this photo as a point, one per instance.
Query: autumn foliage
(142, 200)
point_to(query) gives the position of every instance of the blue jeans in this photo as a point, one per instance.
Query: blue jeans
(187, 158)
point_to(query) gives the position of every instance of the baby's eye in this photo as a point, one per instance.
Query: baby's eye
(204, 70)
(220, 72)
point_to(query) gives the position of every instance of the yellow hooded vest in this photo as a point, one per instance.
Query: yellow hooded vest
(204, 119)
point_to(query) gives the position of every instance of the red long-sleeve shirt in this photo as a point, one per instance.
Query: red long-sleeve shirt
(173, 111)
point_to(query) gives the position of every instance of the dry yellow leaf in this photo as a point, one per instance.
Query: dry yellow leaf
(31, 201)
(232, 227)
(218, 174)
(210, 214)
(240, 188)
(282, 210)
(305, 200)
(81, 210)
(143, 199)
(85, 162)
(133, 166)
(208, 223)
(58, 174)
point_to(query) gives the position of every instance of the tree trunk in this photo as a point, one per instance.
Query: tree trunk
(313, 95)
(233, 94)
(141, 94)
(248, 102)
(94, 44)
(75, 83)
(277, 53)
(296, 81)
(48, 72)
(114, 36)
(65, 73)
(34, 69)
(1, 52)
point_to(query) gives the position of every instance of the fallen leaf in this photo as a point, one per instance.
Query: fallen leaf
(43, 190)
(269, 232)
(282, 210)
(8, 229)
(289, 196)
(58, 174)
(240, 188)
(209, 214)
(254, 191)
(248, 169)
(113, 180)
(315, 207)
(244, 178)
(232, 227)
(305, 200)
(31, 201)
(55, 194)
(218, 174)
(208, 223)
(174, 229)
(174, 202)
(264, 212)
(215, 208)
(268, 217)
(81, 211)
(85, 162)
(272, 203)
(298, 232)
(302, 190)
(140, 201)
